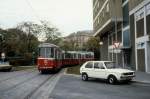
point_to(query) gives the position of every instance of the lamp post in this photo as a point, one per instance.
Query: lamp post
(100, 43)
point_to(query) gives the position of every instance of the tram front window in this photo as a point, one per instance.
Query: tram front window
(46, 52)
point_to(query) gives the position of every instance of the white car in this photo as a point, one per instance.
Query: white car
(105, 70)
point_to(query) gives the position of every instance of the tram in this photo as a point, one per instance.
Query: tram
(52, 58)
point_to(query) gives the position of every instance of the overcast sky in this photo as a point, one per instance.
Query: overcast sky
(67, 15)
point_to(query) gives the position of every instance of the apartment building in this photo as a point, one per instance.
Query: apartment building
(124, 23)
(107, 23)
(139, 12)
(79, 38)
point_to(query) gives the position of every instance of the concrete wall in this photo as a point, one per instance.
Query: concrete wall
(112, 10)
(134, 3)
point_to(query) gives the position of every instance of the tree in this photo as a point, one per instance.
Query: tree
(93, 45)
(52, 34)
(32, 30)
(44, 31)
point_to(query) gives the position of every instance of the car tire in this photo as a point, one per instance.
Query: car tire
(84, 77)
(112, 80)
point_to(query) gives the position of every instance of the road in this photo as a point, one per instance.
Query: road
(27, 84)
(72, 87)
(30, 84)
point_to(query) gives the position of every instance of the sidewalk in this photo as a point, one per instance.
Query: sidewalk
(142, 77)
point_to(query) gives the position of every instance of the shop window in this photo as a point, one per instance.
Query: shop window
(140, 28)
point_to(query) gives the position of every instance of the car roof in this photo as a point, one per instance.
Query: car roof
(99, 61)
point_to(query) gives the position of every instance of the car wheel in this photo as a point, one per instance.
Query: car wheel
(112, 79)
(84, 77)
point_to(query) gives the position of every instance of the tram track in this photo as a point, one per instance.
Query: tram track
(17, 75)
(35, 93)
(34, 87)
(22, 82)
(38, 87)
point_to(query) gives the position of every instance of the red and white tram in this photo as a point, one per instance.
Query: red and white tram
(50, 57)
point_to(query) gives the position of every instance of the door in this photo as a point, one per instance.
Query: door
(141, 59)
(99, 70)
(89, 69)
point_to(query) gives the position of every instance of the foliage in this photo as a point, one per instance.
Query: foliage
(23, 42)
(44, 31)
(15, 43)
(68, 46)
(52, 35)
(93, 45)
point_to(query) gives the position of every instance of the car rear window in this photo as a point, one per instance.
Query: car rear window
(110, 65)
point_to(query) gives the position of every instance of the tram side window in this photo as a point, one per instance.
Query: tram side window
(79, 56)
(52, 53)
(68, 55)
(42, 52)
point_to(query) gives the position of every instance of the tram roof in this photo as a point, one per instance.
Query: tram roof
(80, 52)
(47, 45)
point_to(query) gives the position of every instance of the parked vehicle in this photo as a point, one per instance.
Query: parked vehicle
(105, 70)
(52, 58)
(5, 66)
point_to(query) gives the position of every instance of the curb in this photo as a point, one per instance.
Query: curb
(144, 82)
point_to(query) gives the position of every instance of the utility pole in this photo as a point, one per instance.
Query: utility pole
(116, 13)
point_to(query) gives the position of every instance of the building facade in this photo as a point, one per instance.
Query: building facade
(79, 38)
(139, 12)
(122, 26)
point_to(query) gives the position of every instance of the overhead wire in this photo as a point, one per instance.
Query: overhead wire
(33, 10)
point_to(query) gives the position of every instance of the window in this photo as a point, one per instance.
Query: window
(89, 65)
(126, 38)
(48, 52)
(126, 15)
(148, 24)
(110, 65)
(148, 9)
(42, 52)
(140, 27)
(98, 65)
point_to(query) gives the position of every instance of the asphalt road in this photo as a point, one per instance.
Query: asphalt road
(30, 84)
(72, 87)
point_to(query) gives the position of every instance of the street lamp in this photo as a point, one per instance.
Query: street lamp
(100, 43)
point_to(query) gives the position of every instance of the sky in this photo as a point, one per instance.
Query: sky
(67, 15)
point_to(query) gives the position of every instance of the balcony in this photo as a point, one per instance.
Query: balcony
(110, 13)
